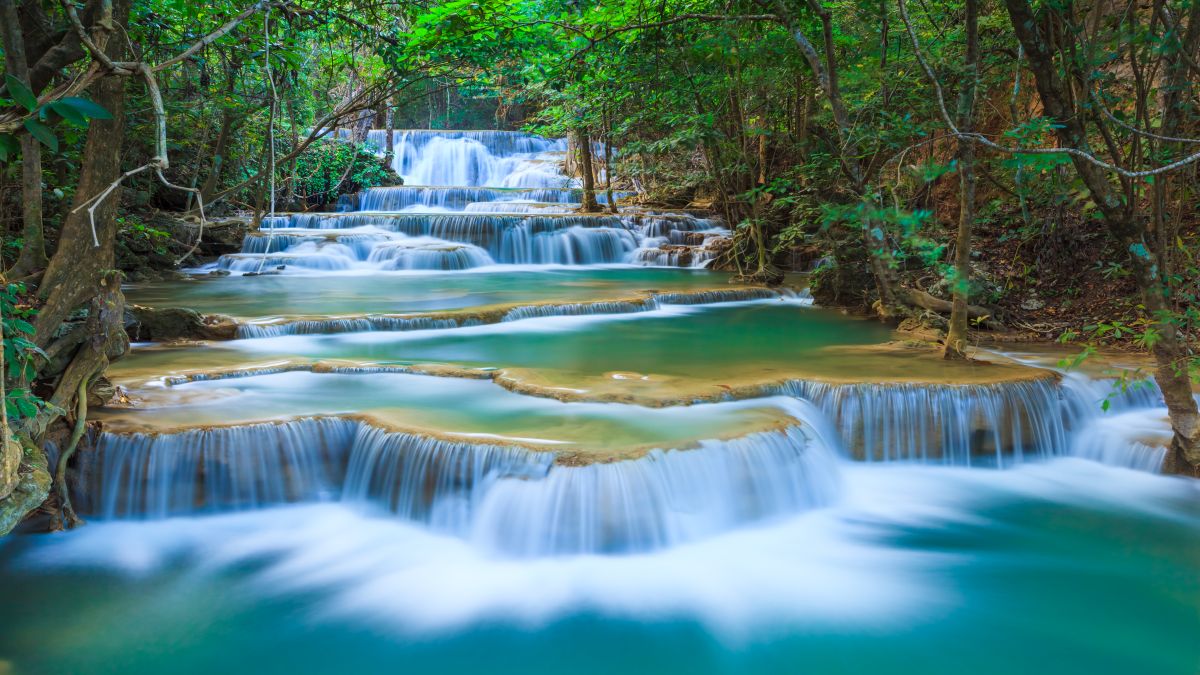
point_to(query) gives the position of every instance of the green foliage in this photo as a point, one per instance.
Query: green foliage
(73, 109)
(19, 353)
(330, 168)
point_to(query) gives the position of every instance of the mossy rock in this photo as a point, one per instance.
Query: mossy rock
(32, 488)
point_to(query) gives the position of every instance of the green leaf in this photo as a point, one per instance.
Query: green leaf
(21, 93)
(68, 113)
(43, 133)
(25, 407)
(86, 108)
(8, 146)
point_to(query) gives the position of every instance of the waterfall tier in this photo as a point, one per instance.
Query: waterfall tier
(453, 241)
(501, 192)
(506, 498)
(985, 424)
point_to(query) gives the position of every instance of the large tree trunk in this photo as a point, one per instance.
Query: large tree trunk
(956, 336)
(1170, 351)
(73, 275)
(33, 246)
(586, 171)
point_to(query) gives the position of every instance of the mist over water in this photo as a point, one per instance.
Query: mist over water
(912, 570)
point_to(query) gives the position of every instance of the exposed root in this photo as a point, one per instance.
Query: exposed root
(69, 519)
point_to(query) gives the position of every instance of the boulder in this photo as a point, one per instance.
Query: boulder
(149, 324)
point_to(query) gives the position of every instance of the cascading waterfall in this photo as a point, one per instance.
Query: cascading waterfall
(421, 197)
(954, 424)
(220, 469)
(663, 499)
(491, 198)
(510, 499)
(478, 198)
(466, 240)
(474, 158)
(984, 424)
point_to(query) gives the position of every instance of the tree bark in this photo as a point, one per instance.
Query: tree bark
(389, 155)
(586, 171)
(75, 270)
(33, 245)
(608, 189)
(956, 336)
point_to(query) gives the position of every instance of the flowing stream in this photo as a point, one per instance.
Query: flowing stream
(463, 427)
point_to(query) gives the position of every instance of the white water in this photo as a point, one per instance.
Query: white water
(838, 565)
(502, 498)
(471, 199)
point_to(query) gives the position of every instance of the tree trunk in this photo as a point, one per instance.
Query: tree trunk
(608, 175)
(73, 275)
(586, 171)
(214, 175)
(389, 155)
(1170, 351)
(33, 245)
(825, 71)
(956, 336)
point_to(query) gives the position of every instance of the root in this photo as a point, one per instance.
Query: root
(69, 519)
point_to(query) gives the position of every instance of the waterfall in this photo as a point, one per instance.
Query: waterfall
(431, 480)
(428, 254)
(662, 499)
(359, 324)
(474, 158)
(991, 424)
(1133, 431)
(482, 198)
(220, 469)
(510, 499)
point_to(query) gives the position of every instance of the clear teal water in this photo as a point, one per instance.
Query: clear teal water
(348, 294)
(765, 339)
(1064, 568)
(446, 405)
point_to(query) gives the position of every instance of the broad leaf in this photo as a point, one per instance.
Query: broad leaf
(43, 133)
(21, 93)
(86, 108)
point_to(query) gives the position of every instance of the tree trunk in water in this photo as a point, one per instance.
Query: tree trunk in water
(1170, 351)
(74, 273)
(33, 246)
(584, 141)
(608, 191)
(956, 336)
(389, 154)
